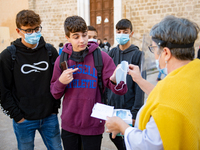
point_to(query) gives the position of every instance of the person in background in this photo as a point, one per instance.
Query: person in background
(25, 85)
(134, 98)
(92, 34)
(100, 43)
(60, 48)
(79, 85)
(172, 107)
(106, 45)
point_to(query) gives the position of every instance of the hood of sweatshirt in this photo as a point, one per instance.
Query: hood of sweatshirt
(20, 46)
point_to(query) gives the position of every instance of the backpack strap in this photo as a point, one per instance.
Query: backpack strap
(63, 57)
(98, 62)
(12, 50)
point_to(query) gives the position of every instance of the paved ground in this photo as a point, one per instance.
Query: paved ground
(8, 140)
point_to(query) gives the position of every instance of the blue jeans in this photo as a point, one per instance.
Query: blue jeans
(47, 127)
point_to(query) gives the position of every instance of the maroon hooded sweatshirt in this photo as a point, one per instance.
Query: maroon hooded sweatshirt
(83, 92)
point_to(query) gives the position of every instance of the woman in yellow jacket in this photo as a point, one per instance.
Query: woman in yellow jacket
(170, 119)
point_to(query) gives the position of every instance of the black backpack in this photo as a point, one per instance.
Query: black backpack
(12, 50)
(98, 65)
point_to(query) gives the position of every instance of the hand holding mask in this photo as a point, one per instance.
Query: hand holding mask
(121, 73)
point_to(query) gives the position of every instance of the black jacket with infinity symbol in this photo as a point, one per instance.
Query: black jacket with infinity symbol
(25, 90)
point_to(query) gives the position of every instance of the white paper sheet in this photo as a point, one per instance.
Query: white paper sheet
(101, 111)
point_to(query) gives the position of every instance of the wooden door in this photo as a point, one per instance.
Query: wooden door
(101, 17)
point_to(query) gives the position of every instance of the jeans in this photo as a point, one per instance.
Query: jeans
(48, 129)
(72, 141)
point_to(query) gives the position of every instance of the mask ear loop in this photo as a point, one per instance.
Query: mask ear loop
(120, 88)
(166, 67)
(166, 64)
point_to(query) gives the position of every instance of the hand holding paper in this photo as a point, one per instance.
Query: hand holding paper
(101, 111)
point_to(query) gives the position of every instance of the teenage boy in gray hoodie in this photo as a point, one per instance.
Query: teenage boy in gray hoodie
(125, 51)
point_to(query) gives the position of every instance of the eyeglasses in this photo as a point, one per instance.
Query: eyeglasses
(30, 31)
(152, 48)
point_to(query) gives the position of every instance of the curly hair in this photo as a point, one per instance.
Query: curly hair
(27, 17)
(74, 24)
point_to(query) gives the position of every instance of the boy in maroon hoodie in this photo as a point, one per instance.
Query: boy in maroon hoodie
(80, 88)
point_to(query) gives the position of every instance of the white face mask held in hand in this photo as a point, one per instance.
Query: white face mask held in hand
(121, 73)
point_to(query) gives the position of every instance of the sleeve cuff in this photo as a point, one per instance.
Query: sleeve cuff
(59, 85)
(126, 134)
(127, 131)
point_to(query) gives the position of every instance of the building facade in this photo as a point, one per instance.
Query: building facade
(104, 14)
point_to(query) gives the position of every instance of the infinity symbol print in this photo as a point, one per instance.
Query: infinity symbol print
(35, 69)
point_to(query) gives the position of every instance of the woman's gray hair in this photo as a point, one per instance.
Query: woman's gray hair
(179, 31)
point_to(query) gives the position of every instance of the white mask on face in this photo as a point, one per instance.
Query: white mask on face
(121, 73)
(94, 40)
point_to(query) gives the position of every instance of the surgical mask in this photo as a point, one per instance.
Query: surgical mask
(122, 38)
(164, 70)
(32, 38)
(121, 73)
(94, 40)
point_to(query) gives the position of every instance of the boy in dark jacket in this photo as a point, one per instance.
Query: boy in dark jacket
(126, 51)
(106, 45)
(79, 85)
(92, 34)
(25, 85)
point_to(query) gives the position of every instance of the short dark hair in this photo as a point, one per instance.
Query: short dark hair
(105, 39)
(124, 24)
(27, 17)
(179, 31)
(61, 45)
(74, 24)
(91, 28)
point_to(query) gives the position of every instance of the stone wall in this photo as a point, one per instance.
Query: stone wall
(142, 13)
(7, 20)
(145, 13)
(53, 14)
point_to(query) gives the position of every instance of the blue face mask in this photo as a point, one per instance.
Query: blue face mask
(122, 38)
(164, 70)
(94, 40)
(33, 38)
